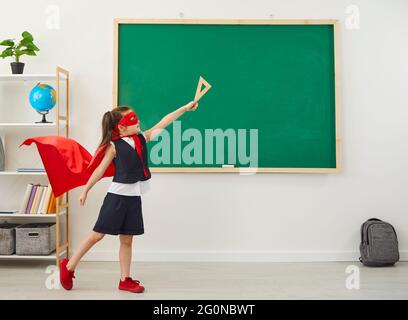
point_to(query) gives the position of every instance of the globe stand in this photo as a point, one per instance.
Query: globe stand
(44, 119)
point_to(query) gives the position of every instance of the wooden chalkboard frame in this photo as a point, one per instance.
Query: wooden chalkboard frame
(117, 22)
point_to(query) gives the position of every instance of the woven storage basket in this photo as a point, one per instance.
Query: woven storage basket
(35, 239)
(7, 238)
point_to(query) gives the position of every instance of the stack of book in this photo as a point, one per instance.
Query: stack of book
(30, 170)
(38, 199)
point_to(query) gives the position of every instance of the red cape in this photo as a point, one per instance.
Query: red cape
(67, 163)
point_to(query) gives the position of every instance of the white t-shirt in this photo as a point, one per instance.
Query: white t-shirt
(129, 189)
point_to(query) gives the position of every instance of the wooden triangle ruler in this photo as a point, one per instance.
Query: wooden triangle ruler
(200, 93)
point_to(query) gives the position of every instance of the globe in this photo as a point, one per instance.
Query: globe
(43, 99)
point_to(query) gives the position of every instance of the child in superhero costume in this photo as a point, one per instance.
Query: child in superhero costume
(122, 154)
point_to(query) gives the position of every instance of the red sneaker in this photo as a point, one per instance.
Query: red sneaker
(66, 275)
(134, 280)
(131, 285)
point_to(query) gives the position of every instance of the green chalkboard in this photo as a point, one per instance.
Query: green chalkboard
(273, 99)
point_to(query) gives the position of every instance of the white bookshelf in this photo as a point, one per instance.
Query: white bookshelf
(28, 77)
(27, 125)
(15, 173)
(25, 128)
(31, 127)
(52, 256)
(32, 216)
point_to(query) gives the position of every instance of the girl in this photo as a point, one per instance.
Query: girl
(121, 211)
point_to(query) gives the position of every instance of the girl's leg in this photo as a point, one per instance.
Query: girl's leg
(125, 255)
(83, 248)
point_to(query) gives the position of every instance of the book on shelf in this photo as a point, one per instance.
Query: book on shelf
(9, 212)
(52, 205)
(30, 201)
(33, 208)
(26, 198)
(47, 199)
(30, 170)
(38, 199)
(32, 196)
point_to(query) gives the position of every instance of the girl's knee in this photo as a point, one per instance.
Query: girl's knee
(126, 240)
(96, 236)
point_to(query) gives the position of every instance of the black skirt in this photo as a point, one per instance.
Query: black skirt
(120, 214)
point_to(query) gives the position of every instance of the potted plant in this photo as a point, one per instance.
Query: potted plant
(16, 50)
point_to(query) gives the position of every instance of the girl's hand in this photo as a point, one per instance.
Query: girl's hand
(191, 106)
(82, 198)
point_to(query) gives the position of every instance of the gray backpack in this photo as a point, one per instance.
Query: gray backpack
(379, 244)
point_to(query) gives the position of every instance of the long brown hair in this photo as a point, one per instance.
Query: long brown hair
(109, 120)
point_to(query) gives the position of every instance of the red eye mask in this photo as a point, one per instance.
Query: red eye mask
(128, 119)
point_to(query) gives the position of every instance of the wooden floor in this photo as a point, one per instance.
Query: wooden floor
(197, 280)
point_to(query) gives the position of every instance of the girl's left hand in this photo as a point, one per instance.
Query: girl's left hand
(191, 106)
(82, 198)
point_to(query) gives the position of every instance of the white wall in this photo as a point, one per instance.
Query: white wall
(271, 217)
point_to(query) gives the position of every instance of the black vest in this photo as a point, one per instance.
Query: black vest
(128, 167)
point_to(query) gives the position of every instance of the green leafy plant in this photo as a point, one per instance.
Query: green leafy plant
(16, 50)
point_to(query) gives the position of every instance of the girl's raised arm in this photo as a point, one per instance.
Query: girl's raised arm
(168, 119)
